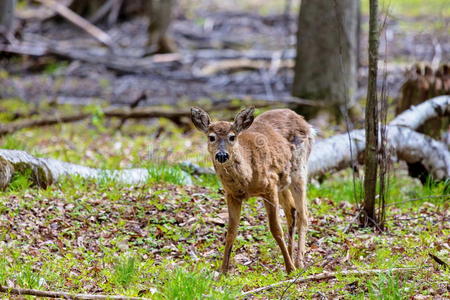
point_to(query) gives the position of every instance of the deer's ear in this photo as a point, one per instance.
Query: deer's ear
(200, 118)
(243, 120)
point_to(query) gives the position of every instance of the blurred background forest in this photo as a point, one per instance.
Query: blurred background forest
(107, 85)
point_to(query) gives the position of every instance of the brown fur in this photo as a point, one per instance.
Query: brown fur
(267, 159)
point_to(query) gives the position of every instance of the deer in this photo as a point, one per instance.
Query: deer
(262, 157)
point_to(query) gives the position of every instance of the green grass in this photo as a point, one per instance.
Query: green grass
(169, 174)
(125, 271)
(386, 287)
(193, 285)
(340, 187)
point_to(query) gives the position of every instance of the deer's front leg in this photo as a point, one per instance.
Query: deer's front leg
(272, 208)
(234, 213)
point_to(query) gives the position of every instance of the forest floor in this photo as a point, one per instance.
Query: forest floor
(165, 238)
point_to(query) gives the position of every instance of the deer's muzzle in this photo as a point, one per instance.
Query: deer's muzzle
(222, 156)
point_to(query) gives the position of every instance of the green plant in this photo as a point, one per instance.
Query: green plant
(385, 287)
(208, 180)
(187, 285)
(166, 173)
(3, 271)
(28, 278)
(20, 181)
(125, 271)
(10, 142)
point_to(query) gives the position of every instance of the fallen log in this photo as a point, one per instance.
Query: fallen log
(342, 151)
(46, 171)
(328, 155)
(63, 295)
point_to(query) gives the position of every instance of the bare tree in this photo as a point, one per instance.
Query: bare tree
(6, 18)
(372, 122)
(327, 51)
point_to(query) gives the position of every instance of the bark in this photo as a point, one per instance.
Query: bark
(372, 123)
(7, 8)
(422, 83)
(326, 51)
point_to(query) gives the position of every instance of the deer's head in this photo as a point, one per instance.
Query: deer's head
(222, 135)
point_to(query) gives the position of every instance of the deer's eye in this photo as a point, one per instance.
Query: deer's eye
(212, 138)
(232, 138)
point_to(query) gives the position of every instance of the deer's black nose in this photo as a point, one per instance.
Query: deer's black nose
(222, 157)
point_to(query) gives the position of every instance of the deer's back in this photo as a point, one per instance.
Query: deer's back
(284, 122)
(275, 146)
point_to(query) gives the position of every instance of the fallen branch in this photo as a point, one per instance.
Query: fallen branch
(331, 275)
(123, 64)
(93, 30)
(235, 65)
(51, 294)
(439, 261)
(117, 112)
(146, 112)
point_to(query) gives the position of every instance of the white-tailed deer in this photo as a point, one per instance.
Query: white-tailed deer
(265, 157)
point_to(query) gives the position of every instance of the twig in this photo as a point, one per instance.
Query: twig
(439, 261)
(53, 294)
(93, 30)
(329, 275)
(102, 11)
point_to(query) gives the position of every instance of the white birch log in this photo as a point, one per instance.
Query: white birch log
(339, 151)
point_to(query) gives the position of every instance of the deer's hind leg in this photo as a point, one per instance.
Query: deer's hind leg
(288, 204)
(298, 189)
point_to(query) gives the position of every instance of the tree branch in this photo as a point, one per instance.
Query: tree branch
(93, 30)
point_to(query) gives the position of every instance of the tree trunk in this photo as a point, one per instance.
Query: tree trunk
(160, 14)
(6, 18)
(370, 155)
(327, 51)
